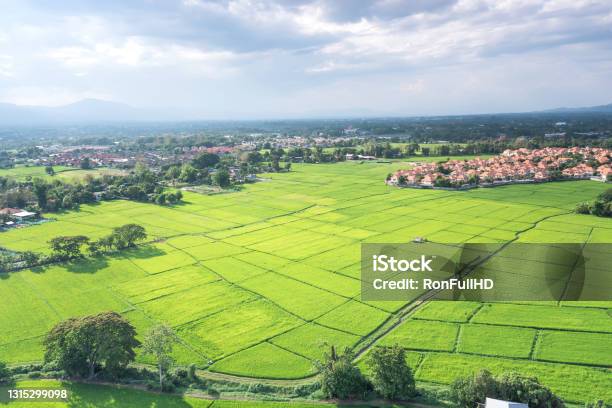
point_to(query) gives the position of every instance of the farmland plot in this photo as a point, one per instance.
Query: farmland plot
(257, 282)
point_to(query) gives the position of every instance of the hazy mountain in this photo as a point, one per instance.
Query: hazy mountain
(86, 110)
(96, 111)
(595, 109)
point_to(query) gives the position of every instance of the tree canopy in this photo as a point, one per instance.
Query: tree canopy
(81, 345)
(389, 373)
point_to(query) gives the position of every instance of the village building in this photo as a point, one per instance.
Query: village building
(518, 165)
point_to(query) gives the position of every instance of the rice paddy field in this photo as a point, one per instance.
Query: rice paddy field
(64, 173)
(257, 282)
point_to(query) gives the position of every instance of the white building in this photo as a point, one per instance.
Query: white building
(495, 403)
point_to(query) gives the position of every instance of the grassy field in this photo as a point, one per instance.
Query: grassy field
(259, 282)
(64, 173)
(90, 396)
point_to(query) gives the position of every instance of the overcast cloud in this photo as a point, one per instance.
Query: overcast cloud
(246, 59)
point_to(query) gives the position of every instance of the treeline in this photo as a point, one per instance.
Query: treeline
(55, 195)
(103, 346)
(68, 248)
(391, 378)
(601, 206)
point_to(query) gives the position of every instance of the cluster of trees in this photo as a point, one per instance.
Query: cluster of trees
(57, 195)
(601, 206)
(390, 377)
(106, 343)
(470, 391)
(140, 185)
(66, 248)
(206, 168)
(71, 247)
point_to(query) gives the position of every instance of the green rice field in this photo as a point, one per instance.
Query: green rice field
(258, 282)
(64, 173)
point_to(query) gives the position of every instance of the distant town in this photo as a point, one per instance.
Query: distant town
(511, 166)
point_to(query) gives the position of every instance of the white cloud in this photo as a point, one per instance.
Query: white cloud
(232, 55)
(139, 53)
(6, 66)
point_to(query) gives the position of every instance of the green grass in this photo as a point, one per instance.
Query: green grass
(580, 348)
(64, 173)
(448, 311)
(275, 266)
(239, 327)
(89, 396)
(354, 317)
(24, 172)
(311, 340)
(545, 317)
(265, 360)
(422, 335)
(496, 340)
(94, 396)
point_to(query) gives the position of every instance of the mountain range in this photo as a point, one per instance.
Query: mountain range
(96, 110)
(86, 110)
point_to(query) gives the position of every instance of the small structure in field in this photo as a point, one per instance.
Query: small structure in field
(495, 403)
(419, 240)
(24, 215)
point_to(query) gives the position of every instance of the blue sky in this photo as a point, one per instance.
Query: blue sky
(292, 58)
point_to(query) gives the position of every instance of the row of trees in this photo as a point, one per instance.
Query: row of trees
(601, 206)
(391, 378)
(106, 343)
(66, 248)
(71, 247)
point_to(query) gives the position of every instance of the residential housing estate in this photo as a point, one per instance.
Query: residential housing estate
(520, 165)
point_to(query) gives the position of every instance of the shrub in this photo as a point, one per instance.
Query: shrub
(192, 372)
(5, 373)
(583, 208)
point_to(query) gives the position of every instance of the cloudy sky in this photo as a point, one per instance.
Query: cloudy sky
(291, 58)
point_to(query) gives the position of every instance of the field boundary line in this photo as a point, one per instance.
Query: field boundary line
(457, 337)
(534, 345)
(475, 312)
(569, 278)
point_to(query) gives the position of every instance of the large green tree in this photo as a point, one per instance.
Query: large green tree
(222, 178)
(40, 189)
(389, 373)
(205, 160)
(81, 345)
(68, 247)
(127, 235)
